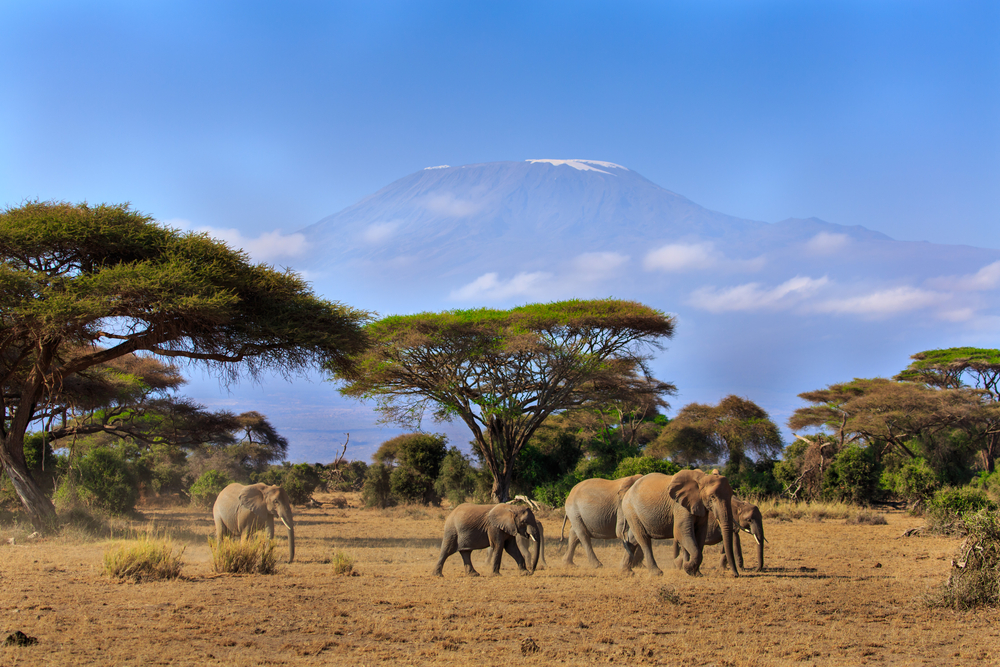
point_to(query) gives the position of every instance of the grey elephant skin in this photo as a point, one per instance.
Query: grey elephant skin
(676, 506)
(527, 547)
(470, 527)
(240, 510)
(592, 508)
(748, 519)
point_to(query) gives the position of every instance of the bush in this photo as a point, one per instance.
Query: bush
(853, 476)
(913, 481)
(298, 480)
(953, 504)
(145, 559)
(975, 575)
(643, 465)
(866, 518)
(457, 479)
(208, 487)
(251, 556)
(106, 480)
(375, 492)
(554, 494)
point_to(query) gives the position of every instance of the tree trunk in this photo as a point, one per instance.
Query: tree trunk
(40, 509)
(502, 482)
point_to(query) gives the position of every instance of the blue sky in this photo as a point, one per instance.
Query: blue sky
(259, 117)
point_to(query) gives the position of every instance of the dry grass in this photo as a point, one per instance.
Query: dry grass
(866, 518)
(146, 558)
(253, 555)
(832, 595)
(342, 564)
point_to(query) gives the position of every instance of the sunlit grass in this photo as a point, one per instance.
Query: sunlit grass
(144, 558)
(254, 555)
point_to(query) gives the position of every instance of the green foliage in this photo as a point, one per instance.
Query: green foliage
(554, 494)
(298, 480)
(853, 476)
(951, 504)
(376, 490)
(643, 465)
(347, 476)
(912, 481)
(754, 479)
(457, 479)
(418, 458)
(105, 479)
(208, 487)
(552, 452)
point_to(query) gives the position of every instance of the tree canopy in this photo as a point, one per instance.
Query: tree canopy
(884, 413)
(702, 434)
(502, 372)
(81, 285)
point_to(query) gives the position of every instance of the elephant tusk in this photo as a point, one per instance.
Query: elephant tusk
(286, 524)
(532, 538)
(755, 537)
(746, 531)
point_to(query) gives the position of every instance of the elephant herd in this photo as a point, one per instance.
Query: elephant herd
(693, 508)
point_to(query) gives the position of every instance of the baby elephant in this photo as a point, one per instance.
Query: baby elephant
(470, 527)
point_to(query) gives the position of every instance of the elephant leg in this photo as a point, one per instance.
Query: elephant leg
(449, 545)
(497, 554)
(588, 548)
(686, 534)
(573, 541)
(510, 546)
(467, 559)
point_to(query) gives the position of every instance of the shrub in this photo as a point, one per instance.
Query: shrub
(106, 480)
(342, 564)
(145, 559)
(853, 476)
(975, 575)
(554, 494)
(457, 479)
(643, 465)
(953, 504)
(298, 480)
(208, 487)
(254, 555)
(375, 492)
(913, 481)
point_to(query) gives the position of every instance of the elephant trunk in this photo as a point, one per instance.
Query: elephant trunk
(724, 514)
(757, 530)
(535, 535)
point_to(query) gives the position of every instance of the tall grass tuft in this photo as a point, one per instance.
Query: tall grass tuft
(254, 555)
(975, 576)
(146, 558)
(342, 564)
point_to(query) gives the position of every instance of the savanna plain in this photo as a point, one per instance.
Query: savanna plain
(831, 594)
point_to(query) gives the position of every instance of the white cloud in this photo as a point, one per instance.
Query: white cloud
(448, 204)
(826, 243)
(884, 302)
(489, 287)
(986, 278)
(594, 265)
(379, 232)
(751, 296)
(681, 257)
(268, 247)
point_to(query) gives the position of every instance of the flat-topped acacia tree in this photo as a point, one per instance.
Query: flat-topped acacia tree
(81, 285)
(502, 372)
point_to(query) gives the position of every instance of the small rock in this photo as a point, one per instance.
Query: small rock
(18, 638)
(877, 565)
(528, 646)
(34, 536)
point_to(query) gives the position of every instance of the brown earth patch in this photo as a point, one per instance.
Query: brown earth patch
(832, 594)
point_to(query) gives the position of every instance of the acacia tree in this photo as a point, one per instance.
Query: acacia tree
(971, 368)
(708, 433)
(884, 414)
(82, 285)
(502, 372)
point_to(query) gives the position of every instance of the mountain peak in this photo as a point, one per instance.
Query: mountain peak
(583, 165)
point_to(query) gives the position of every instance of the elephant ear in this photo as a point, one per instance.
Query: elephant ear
(684, 489)
(251, 498)
(502, 517)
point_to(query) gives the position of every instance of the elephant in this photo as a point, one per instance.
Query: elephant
(592, 510)
(659, 506)
(748, 519)
(471, 526)
(240, 510)
(524, 546)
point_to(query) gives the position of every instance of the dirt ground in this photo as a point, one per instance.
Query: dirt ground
(832, 594)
